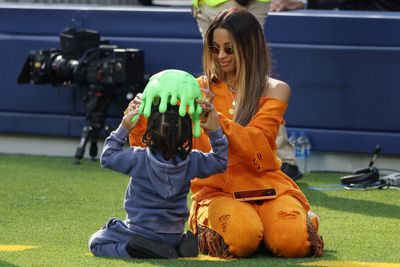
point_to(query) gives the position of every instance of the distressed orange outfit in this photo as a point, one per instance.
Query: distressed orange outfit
(252, 164)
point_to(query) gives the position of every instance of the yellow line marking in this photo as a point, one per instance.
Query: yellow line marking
(202, 257)
(198, 258)
(16, 247)
(350, 264)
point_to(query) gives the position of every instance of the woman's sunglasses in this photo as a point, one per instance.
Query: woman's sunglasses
(215, 50)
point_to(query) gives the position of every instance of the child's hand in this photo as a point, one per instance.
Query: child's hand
(209, 116)
(135, 103)
(131, 111)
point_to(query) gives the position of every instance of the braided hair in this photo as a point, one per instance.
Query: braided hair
(168, 133)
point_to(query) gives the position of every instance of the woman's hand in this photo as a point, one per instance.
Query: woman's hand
(209, 116)
(208, 95)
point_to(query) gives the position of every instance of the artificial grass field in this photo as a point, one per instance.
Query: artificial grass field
(49, 207)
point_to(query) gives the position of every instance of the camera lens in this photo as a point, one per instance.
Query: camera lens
(63, 69)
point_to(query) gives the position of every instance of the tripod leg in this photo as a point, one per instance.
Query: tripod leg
(93, 147)
(97, 103)
(80, 150)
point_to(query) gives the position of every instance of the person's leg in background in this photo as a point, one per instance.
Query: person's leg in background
(286, 154)
(204, 14)
(259, 10)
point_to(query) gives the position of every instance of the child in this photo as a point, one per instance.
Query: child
(155, 200)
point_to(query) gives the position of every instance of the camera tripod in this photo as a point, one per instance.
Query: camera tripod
(97, 104)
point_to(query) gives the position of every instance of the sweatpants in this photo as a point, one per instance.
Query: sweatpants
(111, 240)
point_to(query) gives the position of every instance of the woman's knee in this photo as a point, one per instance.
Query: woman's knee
(238, 223)
(288, 236)
(285, 227)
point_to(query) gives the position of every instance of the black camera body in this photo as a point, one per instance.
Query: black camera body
(84, 60)
(102, 70)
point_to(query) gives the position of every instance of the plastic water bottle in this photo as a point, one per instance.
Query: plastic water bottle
(293, 138)
(302, 150)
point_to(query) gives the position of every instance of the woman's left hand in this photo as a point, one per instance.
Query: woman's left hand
(209, 116)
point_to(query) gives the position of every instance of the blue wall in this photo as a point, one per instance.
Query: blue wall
(342, 67)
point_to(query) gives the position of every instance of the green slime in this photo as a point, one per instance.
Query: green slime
(167, 87)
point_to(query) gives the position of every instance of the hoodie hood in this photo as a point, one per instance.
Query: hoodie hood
(167, 178)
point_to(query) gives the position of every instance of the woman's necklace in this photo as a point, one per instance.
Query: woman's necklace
(232, 91)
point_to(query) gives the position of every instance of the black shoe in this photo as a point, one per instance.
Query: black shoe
(140, 247)
(292, 171)
(188, 246)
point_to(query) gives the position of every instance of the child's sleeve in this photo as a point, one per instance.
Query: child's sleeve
(114, 156)
(255, 143)
(205, 164)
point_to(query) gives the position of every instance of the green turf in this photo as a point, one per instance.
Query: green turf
(55, 205)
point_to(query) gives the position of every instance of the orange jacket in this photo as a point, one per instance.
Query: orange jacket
(252, 160)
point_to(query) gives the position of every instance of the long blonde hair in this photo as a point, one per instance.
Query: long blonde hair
(252, 60)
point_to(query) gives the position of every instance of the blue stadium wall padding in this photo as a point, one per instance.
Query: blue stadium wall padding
(322, 27)
(342, 67)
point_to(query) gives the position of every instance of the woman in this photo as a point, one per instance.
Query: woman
(204, 12)
(251, 106)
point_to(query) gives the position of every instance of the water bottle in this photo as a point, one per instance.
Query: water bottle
(302, 150)
(293, 138)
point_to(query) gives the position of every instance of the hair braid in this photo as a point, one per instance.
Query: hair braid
(169, 134)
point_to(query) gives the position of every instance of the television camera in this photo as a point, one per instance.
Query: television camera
(102, 70)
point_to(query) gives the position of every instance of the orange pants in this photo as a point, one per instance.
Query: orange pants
(280, 222)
